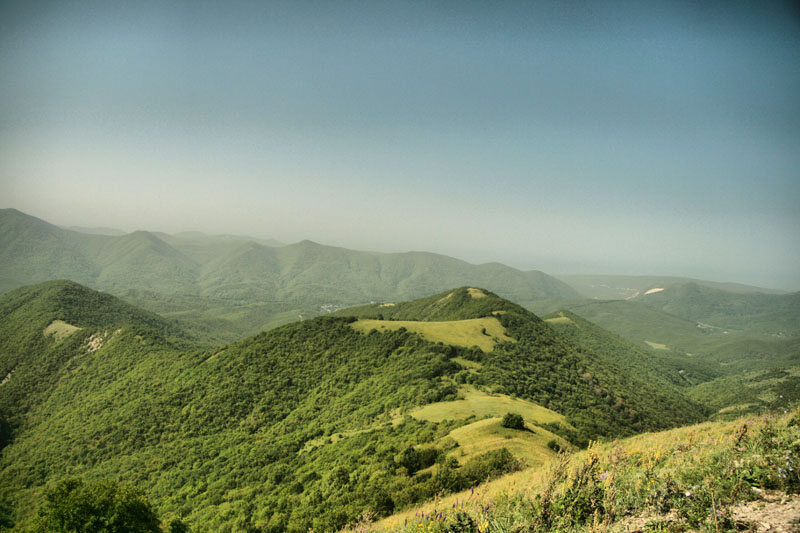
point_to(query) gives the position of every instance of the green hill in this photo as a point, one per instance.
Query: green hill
(663, 370)
(225, 287)
(31, 251)
(573, 376)
(763, 313)
(615, 287)
(640, 323)
(307, 425)
(731, 372)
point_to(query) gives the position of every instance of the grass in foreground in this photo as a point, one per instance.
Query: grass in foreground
(678, 480)
(481, 332)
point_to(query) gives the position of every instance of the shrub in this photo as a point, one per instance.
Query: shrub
(513, 421)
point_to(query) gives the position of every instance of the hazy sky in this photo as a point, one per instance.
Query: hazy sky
(607, 137)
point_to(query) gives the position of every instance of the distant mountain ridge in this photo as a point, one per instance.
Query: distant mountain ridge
(777, 314)
(612, 287)
(223, 271)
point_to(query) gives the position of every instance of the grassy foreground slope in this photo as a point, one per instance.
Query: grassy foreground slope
(305, 426)
(691, 478)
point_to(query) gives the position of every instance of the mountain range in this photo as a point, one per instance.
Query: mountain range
(238, 284)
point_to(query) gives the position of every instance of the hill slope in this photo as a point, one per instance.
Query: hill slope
(731, 476)
(614, 287)
(571, 376)
(763, 313)
(233, 285)
(307, 425)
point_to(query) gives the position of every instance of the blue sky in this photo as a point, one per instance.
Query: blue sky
(606, 137)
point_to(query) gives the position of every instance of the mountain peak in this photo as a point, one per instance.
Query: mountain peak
(456, 304)
(78, 305)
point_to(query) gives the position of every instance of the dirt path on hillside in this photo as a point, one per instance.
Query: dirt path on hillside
(773, 512)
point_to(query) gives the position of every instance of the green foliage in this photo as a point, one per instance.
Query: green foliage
(5, 433)
(513, 421)
(98, 507)
(6, 516)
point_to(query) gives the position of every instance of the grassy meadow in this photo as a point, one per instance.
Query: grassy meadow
(481, 332)
(690, 478)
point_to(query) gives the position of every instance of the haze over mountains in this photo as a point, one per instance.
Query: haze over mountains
(238, 285)
(190, 271)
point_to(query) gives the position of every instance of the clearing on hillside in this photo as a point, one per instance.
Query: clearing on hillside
(560, 320)
(60, 330)
(481, 332)
(487, 435)
(476, 293)
(481, 405)
(656, 345)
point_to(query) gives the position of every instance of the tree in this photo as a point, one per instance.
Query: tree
(98, 507)
(5, 433)
(513, 421)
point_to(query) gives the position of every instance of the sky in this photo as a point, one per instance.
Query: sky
(572, 137)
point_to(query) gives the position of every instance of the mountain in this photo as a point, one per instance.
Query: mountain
(777, 314)
(234, 286)
(31, 250)
(309, 424)
(663, 371)
(731, 372)
(96, 231)
(614, 287)
(567, 375)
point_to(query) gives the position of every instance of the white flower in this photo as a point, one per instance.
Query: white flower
(687, 493)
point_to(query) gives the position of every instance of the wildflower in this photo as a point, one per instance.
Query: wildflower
(687, 494)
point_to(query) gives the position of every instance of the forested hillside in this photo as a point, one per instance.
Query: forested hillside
(307, 425)
(777, 314)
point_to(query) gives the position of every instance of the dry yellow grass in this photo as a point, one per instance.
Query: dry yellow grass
(465, 333)
(481, 405)
(476, 293)
(560, 320)
(60, 330)
(487, 435)
(646, 447)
